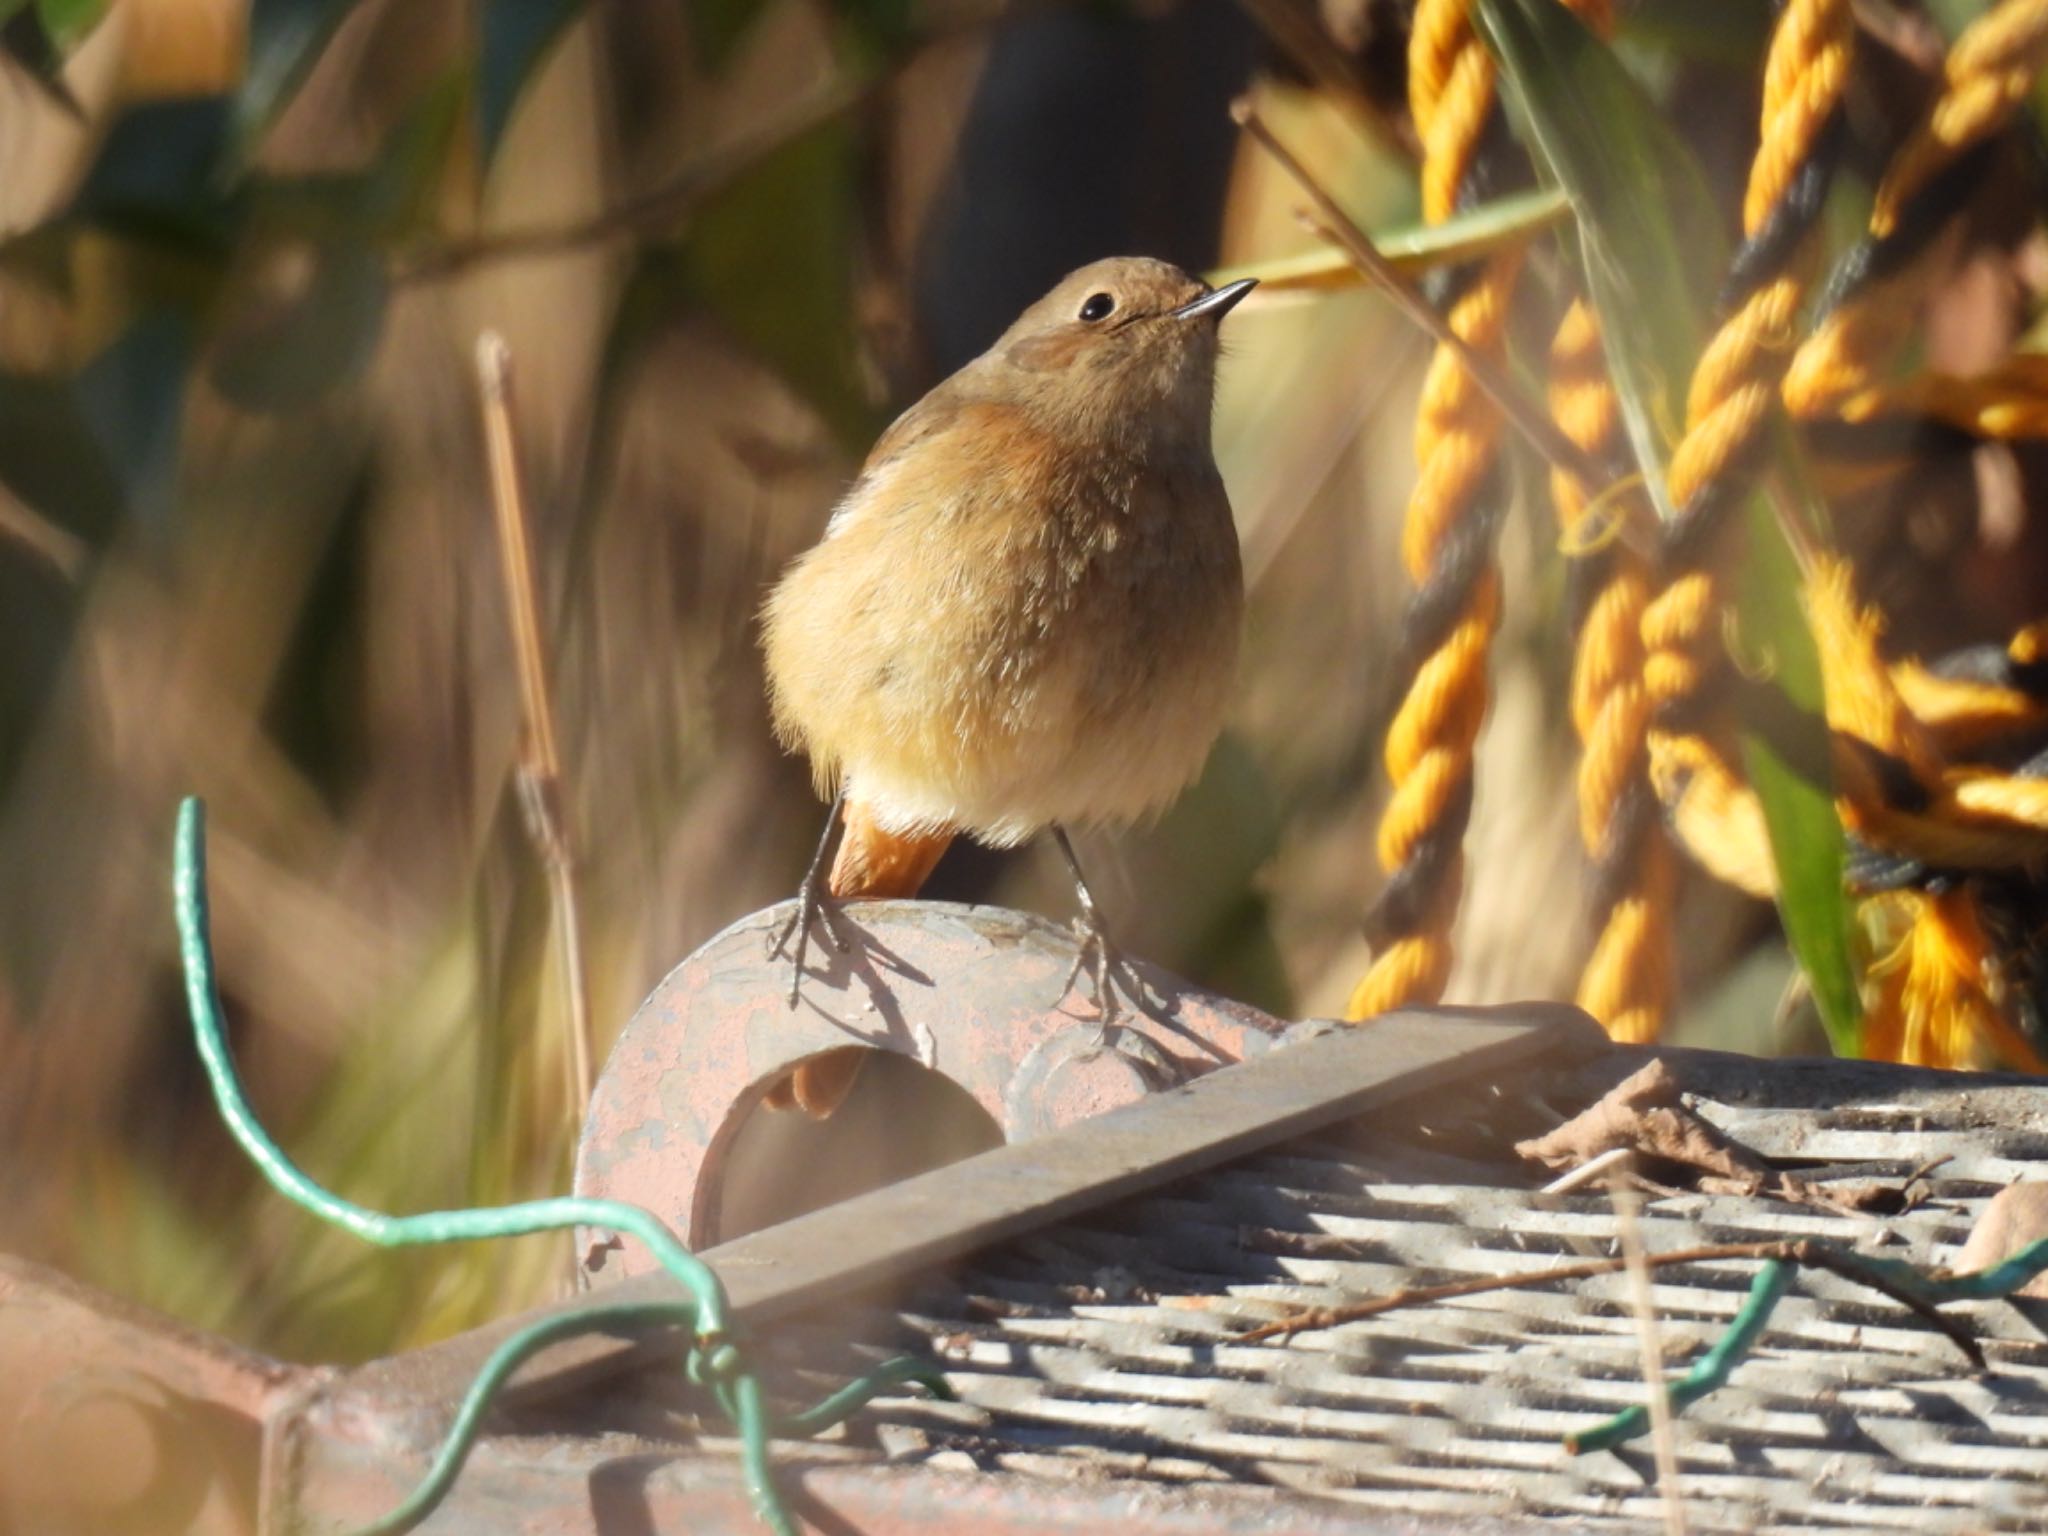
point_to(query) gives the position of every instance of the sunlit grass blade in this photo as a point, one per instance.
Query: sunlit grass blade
(1416, 249)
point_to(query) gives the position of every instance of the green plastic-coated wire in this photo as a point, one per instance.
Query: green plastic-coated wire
(855, 1395)
(1991, 1283)
(1711, 1370)
(505, 1359)
(714, 1360)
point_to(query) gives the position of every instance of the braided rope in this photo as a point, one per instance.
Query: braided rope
(2005, 403)
(1428, 750)
(1732, 394)
(1964, 714)
(1988, 74)
(1627, 978)
(1447, 542)
(1896, 791)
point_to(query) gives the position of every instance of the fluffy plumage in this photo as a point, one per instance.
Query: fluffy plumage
(1026, 610)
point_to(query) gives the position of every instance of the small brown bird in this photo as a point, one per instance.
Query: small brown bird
(1024, 615)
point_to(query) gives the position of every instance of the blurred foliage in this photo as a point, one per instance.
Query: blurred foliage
(245, 546)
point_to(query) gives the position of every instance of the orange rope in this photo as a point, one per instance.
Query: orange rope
(1895, 790)
(2008, 403)
(1988, 74)
(1429, 746)
(1728, 409)
(1626, 982)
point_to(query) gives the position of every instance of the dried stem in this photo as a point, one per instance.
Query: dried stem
(1296, 30)
(58, 548)
(1801, 1251)
(540, 763)
(1331, 222)
(1663, 1431)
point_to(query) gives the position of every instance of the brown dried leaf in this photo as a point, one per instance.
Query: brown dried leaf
(1647, 1114)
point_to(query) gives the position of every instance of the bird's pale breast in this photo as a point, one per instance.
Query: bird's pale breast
(1049, 638)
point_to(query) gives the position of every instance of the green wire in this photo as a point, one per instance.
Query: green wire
(855, 1395)
(1710, 1372)
(713, 1360)
(1987, 1284)
(505, 1359)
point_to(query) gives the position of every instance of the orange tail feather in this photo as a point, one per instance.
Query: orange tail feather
(877, 863)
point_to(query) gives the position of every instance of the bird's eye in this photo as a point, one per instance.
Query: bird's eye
(1098, 306)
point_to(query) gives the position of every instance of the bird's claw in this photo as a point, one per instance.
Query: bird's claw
(1115, 979)
(813, 910)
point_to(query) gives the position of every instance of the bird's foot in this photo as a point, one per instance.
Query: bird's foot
(1116, 981)
(814, 910)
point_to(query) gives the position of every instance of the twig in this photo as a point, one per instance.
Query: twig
(1588, 1172)
(1663, 1433)
(1331, 222)
(1298, 32)
(58, 548)
(1908, 1290)
(1878, 1276)
(1417, 1296)
(540, 764)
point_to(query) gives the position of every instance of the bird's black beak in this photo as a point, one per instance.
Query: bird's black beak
(1218, 302)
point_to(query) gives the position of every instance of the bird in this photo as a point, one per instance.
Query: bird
(1024, 614)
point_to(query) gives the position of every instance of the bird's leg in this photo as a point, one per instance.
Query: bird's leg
(1099, 955)
(813, 905)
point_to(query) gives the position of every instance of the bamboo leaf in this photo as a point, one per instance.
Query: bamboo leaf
(70, 22)
(1651, 237)
(1654, 252)
(1417, 248)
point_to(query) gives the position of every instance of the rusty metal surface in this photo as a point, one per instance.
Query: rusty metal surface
(115, 1421)
(908, 1227)
(719, 1030)
(1103, 1347)
(353, 1445)
(624, 1485)
(1095, 1360)
(1092, 1343)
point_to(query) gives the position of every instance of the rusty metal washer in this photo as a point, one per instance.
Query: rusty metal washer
(970, 992)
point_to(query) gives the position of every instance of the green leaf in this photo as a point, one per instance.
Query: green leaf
(1730, 33)
(285, 39)
(89, 451)
(516, 36)
(70, 22)
(132, 397)
(1652, 240)
(1807, 845)
(1654, 248)
(876, 30)
(398, 191)
(1417, 248)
